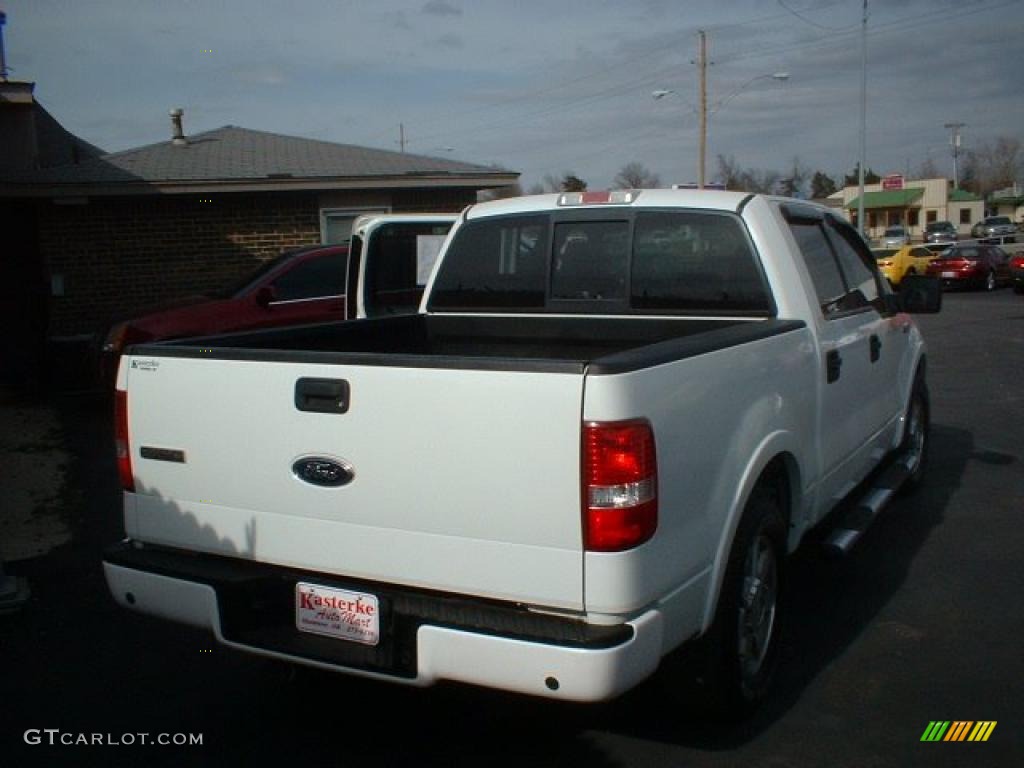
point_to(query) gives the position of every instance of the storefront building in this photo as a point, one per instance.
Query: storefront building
(912, 204)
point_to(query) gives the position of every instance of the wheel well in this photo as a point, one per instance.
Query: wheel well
(782, 479)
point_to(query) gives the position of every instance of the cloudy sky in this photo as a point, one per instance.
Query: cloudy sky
(537, 86)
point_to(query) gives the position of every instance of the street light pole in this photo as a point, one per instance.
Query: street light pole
(702, 65)
(863, 117)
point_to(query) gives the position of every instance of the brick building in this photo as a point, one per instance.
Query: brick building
(123, 232)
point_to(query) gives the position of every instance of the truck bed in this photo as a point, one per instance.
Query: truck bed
(537, 343)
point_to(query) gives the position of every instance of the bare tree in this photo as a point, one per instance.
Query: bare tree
(636, 176)
(992, 166)
(729, 173)
(792, 185)
(928, 169)
(735, 177)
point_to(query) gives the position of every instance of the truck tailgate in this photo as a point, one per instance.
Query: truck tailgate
(464, 481)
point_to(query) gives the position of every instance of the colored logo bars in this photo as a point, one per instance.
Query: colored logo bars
(958, 730)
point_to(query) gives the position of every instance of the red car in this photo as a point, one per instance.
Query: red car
(984, 266)
(1017, 272)
(306, 285)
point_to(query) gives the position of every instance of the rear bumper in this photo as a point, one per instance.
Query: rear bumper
(426, 637)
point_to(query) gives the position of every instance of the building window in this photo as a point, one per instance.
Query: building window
(932, 216)
(873, 220)
(336, 223)
(895, 218)
(912, 217)
(965, 215)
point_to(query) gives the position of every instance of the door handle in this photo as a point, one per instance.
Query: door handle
(876, 348)
(322, 395)
(833, 366)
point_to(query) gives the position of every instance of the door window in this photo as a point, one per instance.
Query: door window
(857, 265)
(842, 268)
(312, 278)
(821, 263)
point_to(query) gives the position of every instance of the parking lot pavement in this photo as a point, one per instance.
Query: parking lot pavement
(919, 624)
(34, 479)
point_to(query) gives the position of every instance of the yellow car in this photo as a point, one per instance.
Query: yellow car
(896, 263)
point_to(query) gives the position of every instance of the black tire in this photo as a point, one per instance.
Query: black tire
(916, 434)
(742, 648)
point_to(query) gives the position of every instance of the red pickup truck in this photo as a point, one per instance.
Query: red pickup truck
(383, 272)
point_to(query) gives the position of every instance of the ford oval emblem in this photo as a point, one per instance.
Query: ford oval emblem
(324, 472)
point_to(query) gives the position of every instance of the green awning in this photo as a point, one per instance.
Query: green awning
(963, 196)
(892, 198)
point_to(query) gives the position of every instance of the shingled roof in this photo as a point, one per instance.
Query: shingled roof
(232, 158)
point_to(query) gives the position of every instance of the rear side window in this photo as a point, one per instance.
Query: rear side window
(695, 261)
(497, 264)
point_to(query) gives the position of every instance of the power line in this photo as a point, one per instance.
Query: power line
(896, 25)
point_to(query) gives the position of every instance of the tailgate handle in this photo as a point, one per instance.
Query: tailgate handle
(322, 395)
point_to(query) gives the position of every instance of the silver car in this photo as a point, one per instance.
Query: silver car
(895, 237)
(940, 232)
(995, 229)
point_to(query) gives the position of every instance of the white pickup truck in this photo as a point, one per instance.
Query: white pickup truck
(612, 419)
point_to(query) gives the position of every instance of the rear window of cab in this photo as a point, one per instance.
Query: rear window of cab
(624, 262)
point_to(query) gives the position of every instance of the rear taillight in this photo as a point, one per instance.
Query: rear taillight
(620, 485)
(122, 448)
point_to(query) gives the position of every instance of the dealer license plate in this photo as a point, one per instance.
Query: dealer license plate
(353, 616)
(948, 275)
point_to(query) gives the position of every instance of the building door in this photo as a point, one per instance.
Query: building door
(24, 298)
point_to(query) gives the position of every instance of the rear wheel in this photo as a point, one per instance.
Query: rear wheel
(742, 648)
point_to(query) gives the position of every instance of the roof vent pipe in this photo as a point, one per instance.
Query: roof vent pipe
(178, 139)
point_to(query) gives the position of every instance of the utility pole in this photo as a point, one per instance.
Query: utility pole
(702, 65)
(863, 119)
(954, 141)
(401, 137)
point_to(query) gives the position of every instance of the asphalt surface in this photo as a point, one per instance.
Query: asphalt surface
(922, 622)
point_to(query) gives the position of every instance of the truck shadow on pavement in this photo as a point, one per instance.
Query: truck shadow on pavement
(833, 601)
